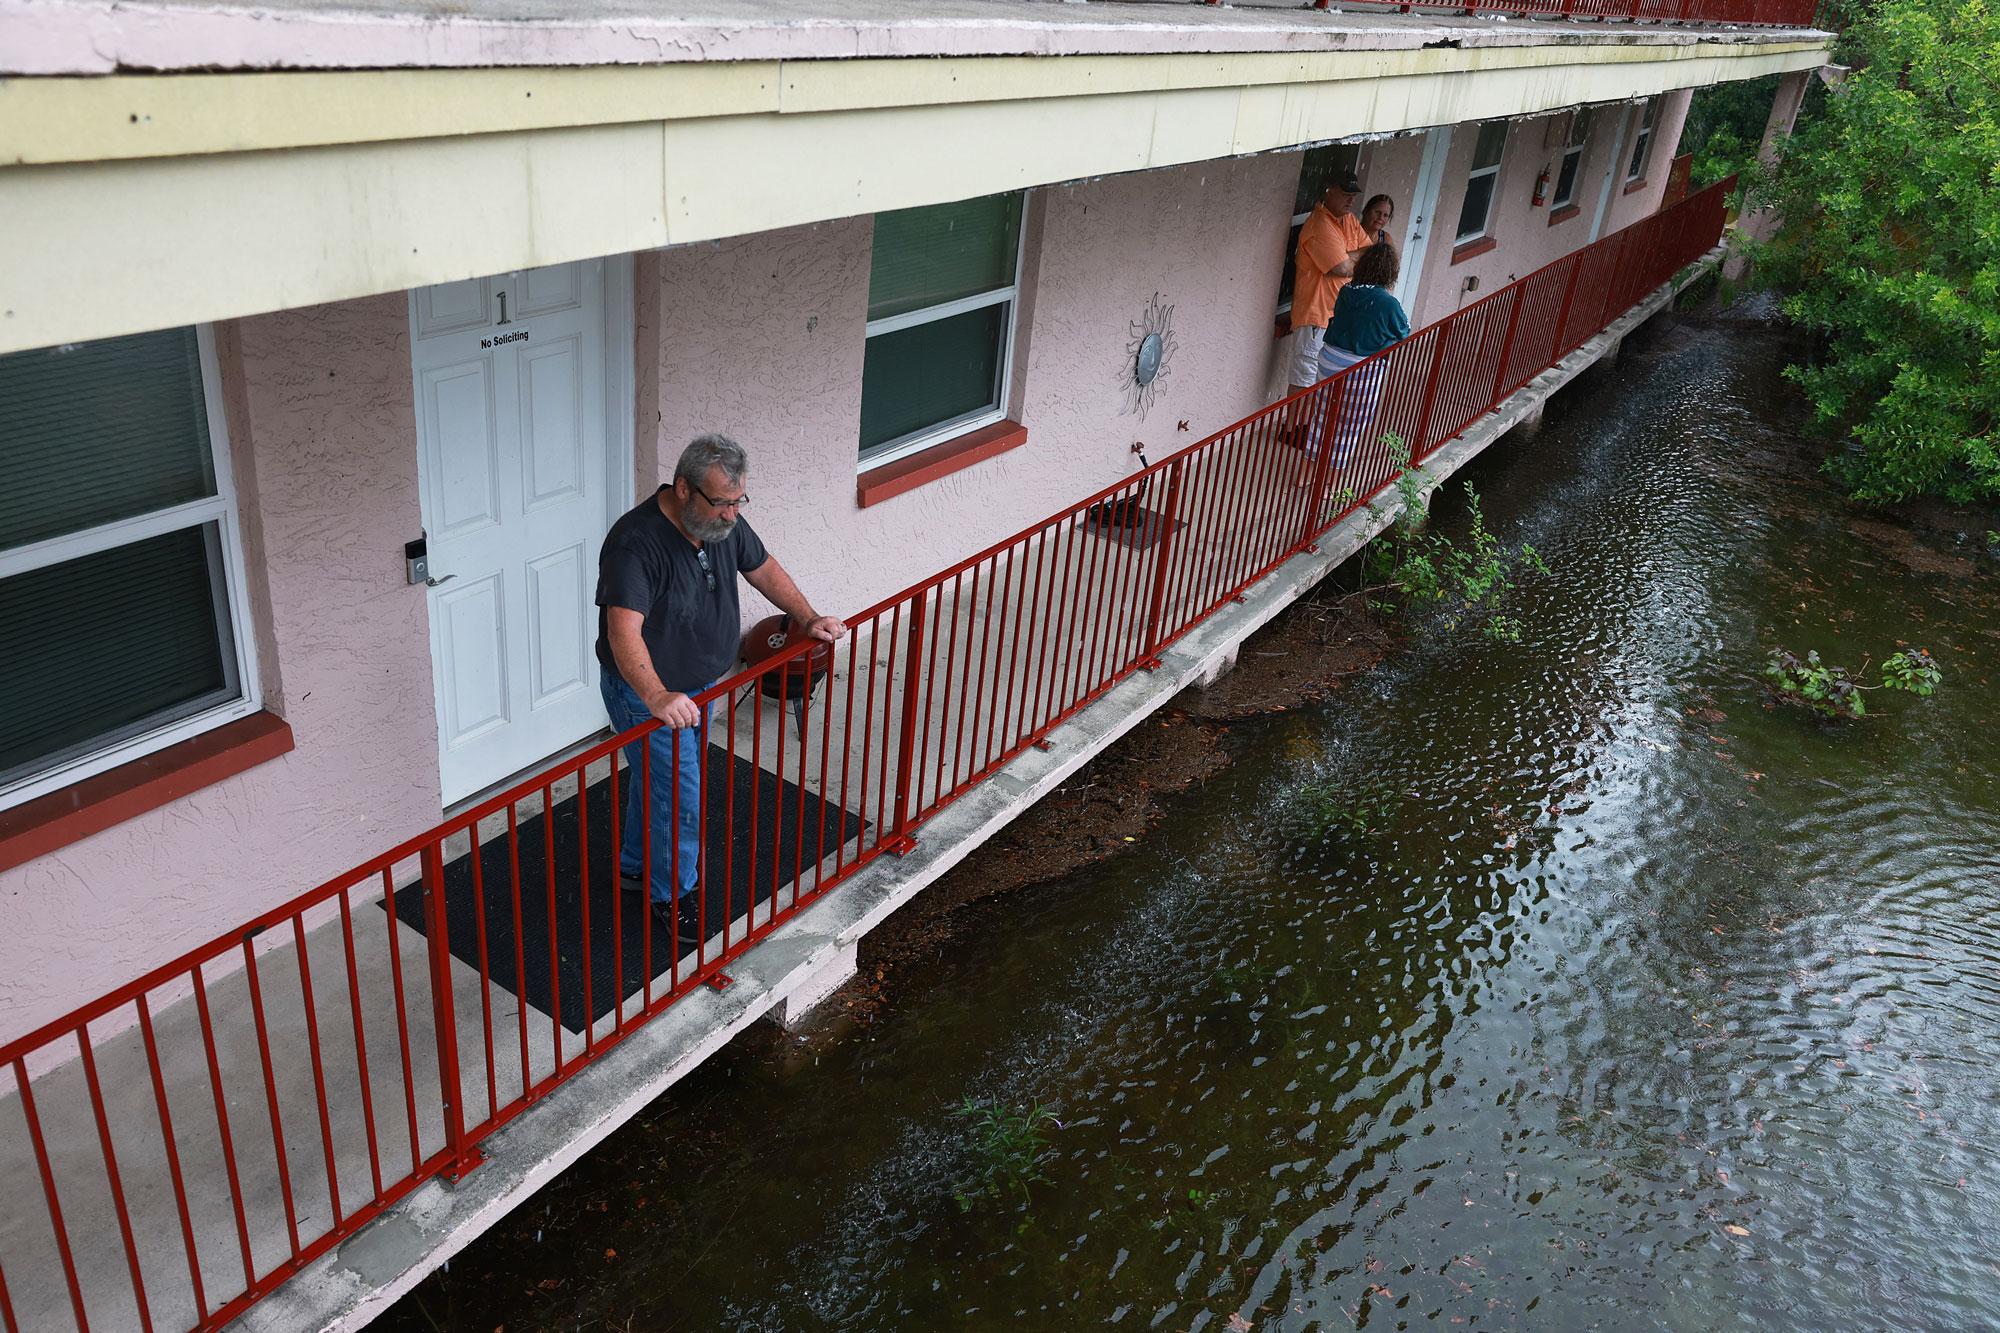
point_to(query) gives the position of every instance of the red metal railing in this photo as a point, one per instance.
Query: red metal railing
(217, 1124)
(1758, 13)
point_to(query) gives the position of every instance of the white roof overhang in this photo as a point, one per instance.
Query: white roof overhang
(138, 201)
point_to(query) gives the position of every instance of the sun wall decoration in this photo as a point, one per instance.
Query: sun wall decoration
(1147, 354)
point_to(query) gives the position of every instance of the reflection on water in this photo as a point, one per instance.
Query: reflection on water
(1645, 1006)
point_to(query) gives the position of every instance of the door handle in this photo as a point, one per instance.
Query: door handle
(432, 583)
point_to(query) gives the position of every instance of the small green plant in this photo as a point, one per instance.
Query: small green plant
(1247, 977)
(1009, 1146)
(1834, 691)
(1184, 1214)
(1915, 672)
(1320, 808)
(1469, 576)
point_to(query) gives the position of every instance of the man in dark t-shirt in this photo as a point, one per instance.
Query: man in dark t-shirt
(667, 628)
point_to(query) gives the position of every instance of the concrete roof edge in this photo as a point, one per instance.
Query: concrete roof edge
(93, 37)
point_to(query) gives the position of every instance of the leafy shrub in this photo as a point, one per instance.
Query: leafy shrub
(1889, 244)
(1916, 672)
(1833, 691)
(1471, 577)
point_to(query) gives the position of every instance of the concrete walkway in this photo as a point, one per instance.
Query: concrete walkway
(326, 1044)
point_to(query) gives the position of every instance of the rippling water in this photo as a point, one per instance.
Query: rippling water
(1638, 1005)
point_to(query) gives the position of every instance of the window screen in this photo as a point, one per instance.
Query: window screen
(110, 643)
(1579, 132)
(1321, 165)
(1640, 145)
(939, 371)
(928, 256)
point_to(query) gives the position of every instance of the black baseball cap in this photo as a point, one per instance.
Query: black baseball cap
(1347, 183)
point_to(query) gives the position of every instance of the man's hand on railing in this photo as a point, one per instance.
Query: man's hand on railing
(826, 628)
(677, 711)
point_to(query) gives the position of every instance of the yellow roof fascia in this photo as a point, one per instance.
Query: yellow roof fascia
(128, 117)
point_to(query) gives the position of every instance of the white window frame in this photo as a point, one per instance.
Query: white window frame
(1572, 150)
(1643, 147)
(1486, 222)
(219, 509)
(891, 450)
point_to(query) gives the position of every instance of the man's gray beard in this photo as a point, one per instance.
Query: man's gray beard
(709, 529)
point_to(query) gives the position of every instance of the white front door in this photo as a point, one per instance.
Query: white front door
(1423, 217)
(515, 474)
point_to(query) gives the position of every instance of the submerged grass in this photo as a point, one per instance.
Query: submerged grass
(1009, 1146)
(1319, 809)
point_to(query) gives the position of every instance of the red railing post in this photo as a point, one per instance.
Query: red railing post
(1559, 351)
(1507, 348)
(1316, 492)
(1419, 446)
(900, 842)
(463, 1156)
(1149, 659)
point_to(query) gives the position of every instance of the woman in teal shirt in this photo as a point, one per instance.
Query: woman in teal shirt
(1366, 319)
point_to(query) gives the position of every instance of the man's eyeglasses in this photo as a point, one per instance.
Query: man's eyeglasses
(713, 503)
(707, 570)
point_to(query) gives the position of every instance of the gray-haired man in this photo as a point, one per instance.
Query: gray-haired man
(667, 629)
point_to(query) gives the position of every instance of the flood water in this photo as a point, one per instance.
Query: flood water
(1559, 984)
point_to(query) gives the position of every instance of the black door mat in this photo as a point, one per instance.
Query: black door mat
(784, 816)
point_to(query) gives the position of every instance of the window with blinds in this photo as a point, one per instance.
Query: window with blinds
(119, 558)
(942, 291)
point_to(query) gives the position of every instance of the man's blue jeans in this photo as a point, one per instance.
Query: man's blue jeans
(668, 753)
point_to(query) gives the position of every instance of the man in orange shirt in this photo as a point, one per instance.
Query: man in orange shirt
(1327, 247)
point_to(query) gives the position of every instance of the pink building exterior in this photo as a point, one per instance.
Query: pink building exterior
(759, 336)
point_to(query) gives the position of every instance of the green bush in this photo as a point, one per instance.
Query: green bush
(1889, 244)
(1725, 122)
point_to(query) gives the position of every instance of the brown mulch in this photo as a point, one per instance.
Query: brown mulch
(1105, 807)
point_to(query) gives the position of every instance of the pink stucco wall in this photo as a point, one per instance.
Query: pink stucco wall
(762, 336)
(331, 453)
(1629, 208)
(1526, 239)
